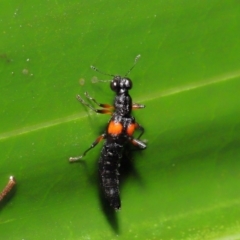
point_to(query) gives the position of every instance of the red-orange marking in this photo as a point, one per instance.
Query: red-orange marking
(131, 129)
(115, 128)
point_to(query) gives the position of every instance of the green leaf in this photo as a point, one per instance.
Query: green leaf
(185, 184)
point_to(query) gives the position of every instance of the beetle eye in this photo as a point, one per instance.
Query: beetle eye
(128, 83)
(115, 84)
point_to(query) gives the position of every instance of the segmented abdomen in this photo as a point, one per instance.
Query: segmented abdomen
(108, 171)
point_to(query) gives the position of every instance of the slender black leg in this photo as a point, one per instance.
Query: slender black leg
(141, 145)
(103, 105)
(74, 159)
(140, 128)
(137, 106)
(103, 111)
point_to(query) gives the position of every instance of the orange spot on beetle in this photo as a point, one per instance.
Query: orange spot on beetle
(131, 129)
(115, 128)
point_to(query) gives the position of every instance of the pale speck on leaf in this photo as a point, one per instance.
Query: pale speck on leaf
(81, 81)
(25, 71)
(94, 79)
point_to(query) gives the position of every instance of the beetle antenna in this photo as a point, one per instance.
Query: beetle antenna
(96, 70)
(135, 62)
(95, 80)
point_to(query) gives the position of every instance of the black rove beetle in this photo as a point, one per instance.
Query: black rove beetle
(119, 131)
